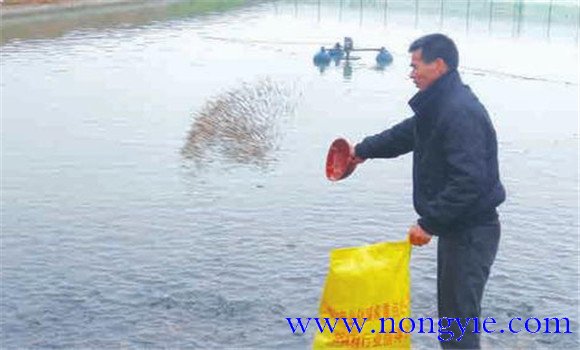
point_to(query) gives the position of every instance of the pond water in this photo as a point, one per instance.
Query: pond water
(163, 166)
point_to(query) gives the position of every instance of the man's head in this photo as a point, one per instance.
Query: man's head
(432, 56)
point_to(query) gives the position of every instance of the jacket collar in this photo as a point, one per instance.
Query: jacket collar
(424, 99)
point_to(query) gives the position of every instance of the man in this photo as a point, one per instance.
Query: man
(456, 185)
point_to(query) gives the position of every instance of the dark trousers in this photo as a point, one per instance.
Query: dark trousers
(464, 260)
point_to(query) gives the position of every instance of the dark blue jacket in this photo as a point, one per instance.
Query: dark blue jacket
(456, 180)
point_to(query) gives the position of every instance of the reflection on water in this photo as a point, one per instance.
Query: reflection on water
(243, 125)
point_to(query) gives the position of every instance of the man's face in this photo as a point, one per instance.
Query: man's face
(425, 74)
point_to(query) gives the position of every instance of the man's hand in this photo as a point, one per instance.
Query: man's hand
(418, 236)
(356, 160)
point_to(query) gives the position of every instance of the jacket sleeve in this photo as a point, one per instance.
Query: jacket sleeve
(464, 146)
(393, 142)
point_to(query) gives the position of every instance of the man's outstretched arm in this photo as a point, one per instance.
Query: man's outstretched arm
(393, 142)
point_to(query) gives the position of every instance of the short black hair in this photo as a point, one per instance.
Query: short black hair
(434, 46)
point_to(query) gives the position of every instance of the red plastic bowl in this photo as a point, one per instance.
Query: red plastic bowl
(339, 161)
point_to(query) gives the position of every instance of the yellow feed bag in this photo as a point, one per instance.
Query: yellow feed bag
(372, 282)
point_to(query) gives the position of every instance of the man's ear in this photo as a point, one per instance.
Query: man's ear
(441, 66)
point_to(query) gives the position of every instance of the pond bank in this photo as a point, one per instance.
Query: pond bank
(44, 19)
(19, 8)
